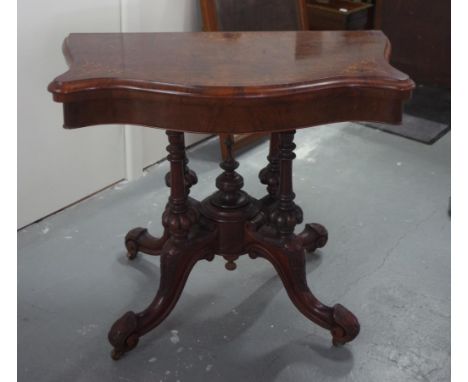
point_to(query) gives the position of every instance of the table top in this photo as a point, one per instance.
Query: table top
(229, 82)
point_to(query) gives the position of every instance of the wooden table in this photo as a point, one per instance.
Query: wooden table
(218, 82)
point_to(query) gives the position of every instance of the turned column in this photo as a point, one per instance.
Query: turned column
(269, 175)
(285, 214)
(178, 217)
(190, 178)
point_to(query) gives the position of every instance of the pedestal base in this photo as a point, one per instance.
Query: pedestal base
(230, 223)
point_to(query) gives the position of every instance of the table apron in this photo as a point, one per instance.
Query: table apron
(218, 115)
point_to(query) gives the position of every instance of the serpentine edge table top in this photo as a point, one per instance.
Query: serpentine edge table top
(225, 82)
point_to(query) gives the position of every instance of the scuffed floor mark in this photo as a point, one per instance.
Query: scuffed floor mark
(174, 336)
(85, 330)
(422, 352)
(419, 363)
(46, 230)
(388, 253)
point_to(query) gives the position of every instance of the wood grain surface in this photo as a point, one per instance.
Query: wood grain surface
(251, 81)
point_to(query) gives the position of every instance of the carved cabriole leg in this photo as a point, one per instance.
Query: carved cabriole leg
(289, 262)
(184, 246)
(177, 260)
(286, 251)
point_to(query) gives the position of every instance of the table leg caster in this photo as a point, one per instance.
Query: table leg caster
(116, 355)
(122, 335)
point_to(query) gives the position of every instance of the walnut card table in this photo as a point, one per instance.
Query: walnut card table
(233, 83)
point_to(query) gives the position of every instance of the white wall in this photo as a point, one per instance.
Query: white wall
(57, 167)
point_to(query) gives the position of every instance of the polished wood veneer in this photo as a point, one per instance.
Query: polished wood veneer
(251, 15)
(251, 81)
(230, 83)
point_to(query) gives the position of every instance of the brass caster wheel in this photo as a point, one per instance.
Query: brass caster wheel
(132, 249)
(337, 343)
(116, 354)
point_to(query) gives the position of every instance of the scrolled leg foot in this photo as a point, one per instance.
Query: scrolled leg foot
(122, 335)
(313, 236)
(289, 262)
(346, 325)
(139, 240)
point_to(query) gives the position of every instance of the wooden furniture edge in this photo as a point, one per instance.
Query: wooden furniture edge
(210, 23)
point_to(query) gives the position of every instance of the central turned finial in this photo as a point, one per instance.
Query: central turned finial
(230, 183)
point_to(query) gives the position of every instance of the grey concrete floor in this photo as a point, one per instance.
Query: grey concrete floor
(384, 201)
